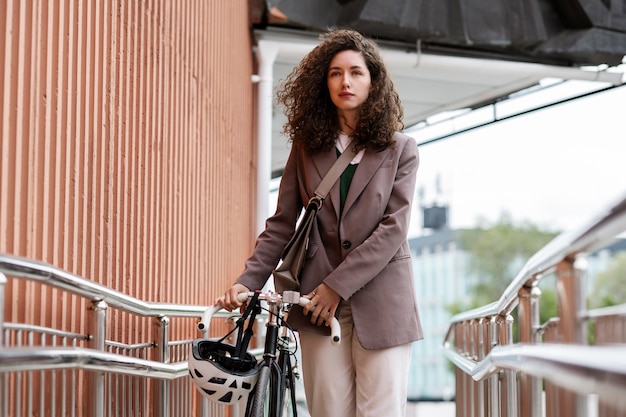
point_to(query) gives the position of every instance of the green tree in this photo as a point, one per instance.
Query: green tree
(497, 253)
(609, 288)
(547, 304)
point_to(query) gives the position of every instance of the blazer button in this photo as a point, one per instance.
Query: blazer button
(346, 244)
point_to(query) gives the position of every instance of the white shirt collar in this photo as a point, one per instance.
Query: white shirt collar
(343, 140)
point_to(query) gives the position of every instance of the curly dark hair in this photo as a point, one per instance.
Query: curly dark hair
(312, 120)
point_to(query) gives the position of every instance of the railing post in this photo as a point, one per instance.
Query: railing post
(162, 400)
(510, 376)
(581, 267)
(481, 352)
(494, 384)
(569, 302)
(529, 323)
(468, 383)
(205, 405)
(570, 275)
(473, 324)
(97, 339)
(3, 282)
(460, 380)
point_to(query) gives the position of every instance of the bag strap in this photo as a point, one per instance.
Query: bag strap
(335, 172)
(315, 203)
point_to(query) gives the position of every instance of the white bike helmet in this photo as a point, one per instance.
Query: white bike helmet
(220, 376)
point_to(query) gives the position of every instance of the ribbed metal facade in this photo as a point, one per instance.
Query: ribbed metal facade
(127, 151)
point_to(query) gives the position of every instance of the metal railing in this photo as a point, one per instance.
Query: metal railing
(495, 377)
(45, 368)
(551, 369)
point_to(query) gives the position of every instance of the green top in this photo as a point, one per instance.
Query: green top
(344, 182)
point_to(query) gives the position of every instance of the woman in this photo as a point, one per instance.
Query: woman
(358, 265)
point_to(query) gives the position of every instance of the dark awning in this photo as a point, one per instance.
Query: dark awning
(555, 32)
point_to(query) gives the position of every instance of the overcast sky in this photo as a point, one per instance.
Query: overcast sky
(555, 167)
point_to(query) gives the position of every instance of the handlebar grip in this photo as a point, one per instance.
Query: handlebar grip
(242, 297)
(205, 322)
(335, 327)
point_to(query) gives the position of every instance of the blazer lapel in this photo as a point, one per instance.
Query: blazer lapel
(367, 167)
(370, 162)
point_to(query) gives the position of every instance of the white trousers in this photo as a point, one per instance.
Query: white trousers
(349, 381)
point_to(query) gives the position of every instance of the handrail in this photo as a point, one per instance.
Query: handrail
(589, 237)
(50, 275)
(40, 359)
(19, 267)
(55, 358)
(44, 330)
(543, 359)
(619, 310)
(494, 368)
(604, 368)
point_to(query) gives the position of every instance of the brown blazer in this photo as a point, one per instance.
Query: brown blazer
(364, 254)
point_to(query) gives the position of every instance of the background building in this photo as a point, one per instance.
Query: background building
(441, 280)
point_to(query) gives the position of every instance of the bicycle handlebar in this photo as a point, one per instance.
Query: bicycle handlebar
(291, 297)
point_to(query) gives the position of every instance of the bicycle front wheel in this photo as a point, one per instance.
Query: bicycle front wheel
(273, 396)
(260, 392)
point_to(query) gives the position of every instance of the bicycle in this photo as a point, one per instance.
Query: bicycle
(275, 373)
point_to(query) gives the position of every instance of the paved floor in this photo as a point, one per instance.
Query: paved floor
(430, 409)
(413, 409)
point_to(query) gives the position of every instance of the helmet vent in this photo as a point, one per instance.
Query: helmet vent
(219, 381)
(227, 397)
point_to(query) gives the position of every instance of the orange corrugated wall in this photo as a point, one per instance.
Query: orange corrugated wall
(127, 151)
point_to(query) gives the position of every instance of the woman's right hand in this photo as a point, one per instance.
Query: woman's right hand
(229, 300)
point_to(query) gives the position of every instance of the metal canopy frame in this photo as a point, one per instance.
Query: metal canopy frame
(428, 84)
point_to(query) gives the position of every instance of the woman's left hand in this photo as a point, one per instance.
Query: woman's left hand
(323, 305)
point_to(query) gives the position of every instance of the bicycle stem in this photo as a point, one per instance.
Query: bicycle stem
(271, 335)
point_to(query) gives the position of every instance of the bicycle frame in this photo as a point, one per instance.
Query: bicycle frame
(276, 373)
